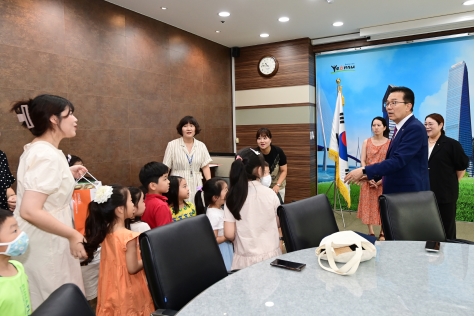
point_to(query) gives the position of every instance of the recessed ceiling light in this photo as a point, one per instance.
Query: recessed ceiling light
(163, 8)
(224, 13)
(469, 2)
(284, 19)
(218, 31)
(264, 35)
(338, 24)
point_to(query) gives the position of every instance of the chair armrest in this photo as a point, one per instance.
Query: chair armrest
(459, 241)
(164, 312)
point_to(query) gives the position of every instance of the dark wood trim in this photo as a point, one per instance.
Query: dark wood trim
(270, 106)
(363, 42)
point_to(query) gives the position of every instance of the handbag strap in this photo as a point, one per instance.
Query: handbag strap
(348, 268)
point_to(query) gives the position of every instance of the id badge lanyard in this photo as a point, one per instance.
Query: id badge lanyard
(190, 161)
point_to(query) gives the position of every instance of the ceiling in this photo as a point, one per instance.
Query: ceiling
(308, 18)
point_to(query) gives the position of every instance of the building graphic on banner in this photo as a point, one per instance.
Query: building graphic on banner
(457, 119)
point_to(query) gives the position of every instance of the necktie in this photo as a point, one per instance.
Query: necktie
(395, 132)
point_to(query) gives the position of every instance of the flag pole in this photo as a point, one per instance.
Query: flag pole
(335, 189)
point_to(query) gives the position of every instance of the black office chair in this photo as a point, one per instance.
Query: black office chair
(181, 260)
(67, 300)
(306, 222)
(411, 216)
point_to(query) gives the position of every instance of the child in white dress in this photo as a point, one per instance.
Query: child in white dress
(214, 195)
(135, 224)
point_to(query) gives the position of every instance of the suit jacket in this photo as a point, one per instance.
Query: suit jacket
(446, 159)
(405, 168)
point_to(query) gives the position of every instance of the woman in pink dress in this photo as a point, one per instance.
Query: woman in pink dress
(374, 151)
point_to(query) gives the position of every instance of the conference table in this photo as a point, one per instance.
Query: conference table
(403, 279)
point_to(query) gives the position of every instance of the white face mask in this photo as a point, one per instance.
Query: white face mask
(266, 180)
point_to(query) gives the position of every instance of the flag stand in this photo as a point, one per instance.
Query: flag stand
(335, 193)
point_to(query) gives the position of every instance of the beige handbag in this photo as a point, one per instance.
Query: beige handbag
(344, 247)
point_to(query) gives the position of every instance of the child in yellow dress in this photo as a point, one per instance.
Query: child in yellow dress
(177, 195)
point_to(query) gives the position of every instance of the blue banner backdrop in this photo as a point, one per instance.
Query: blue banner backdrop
(440, 72)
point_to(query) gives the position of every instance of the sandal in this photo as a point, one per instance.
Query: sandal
(372, 235)
(381, 237)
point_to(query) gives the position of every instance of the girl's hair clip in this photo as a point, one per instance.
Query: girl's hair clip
(199, 188)
(103, 193)
(255, 151)
(69, 158)
(238, 157)
(24, 116)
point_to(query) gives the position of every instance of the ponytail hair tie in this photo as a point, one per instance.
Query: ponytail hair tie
(199, 188)
(238, 157)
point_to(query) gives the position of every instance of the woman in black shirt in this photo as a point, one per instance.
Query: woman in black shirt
(276, 159)
(447, 164)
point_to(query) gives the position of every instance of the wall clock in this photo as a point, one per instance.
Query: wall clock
(268, 66)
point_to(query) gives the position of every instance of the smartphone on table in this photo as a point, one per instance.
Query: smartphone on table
(433, 246)
(296, 266)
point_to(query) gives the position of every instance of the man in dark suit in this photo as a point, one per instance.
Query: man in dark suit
(405, 168)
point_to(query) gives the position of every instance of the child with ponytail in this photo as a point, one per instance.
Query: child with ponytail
(122, 287)
(213, 194)
(250, 212)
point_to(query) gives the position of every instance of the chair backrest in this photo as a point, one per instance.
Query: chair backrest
(306, 222)
(411, 216)
(67, 300)
(181, 260)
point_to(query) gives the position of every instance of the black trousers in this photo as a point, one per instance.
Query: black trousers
(447, 212)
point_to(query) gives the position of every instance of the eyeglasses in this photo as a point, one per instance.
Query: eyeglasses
(392, 103)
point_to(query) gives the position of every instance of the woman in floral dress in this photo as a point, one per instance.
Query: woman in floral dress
(374, 151)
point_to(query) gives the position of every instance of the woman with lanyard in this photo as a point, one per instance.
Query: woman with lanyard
(185, 156)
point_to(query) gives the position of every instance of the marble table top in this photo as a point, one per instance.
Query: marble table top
(403, 279)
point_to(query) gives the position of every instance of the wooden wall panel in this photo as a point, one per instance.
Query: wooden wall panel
(295, 65)
(294, 139)
(131, 79)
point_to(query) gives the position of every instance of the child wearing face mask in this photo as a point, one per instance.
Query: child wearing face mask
(135, 224)
(266, 179)
(14, 290)
(250, 212)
